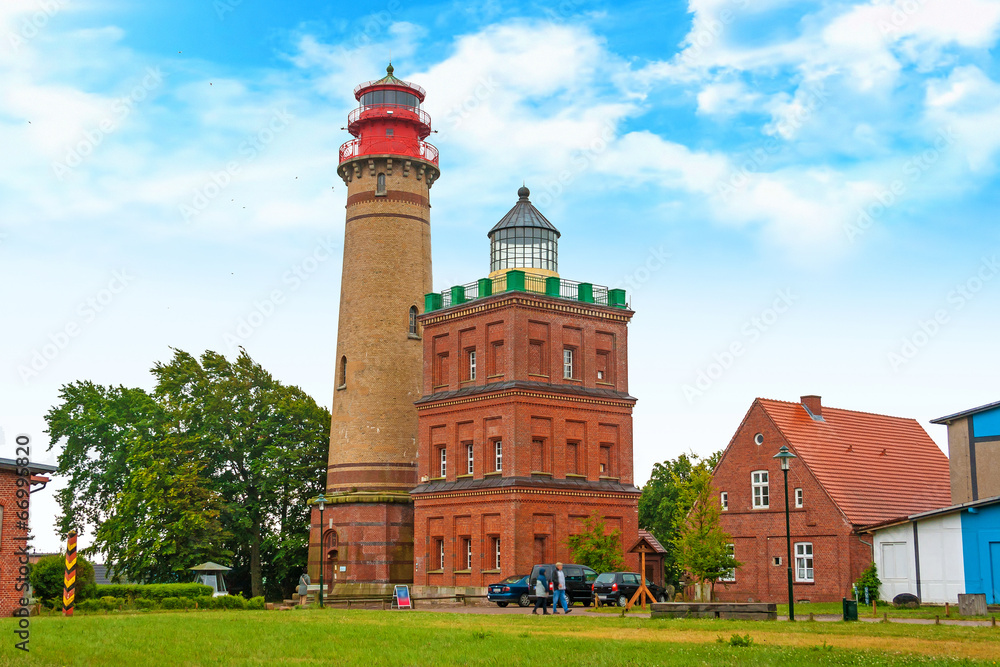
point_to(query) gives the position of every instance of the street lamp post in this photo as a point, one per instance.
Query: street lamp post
(321, 501)
(785, 457)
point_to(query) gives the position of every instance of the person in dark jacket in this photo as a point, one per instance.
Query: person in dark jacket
(541, 594)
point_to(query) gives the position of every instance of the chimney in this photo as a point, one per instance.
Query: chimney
(814, 406)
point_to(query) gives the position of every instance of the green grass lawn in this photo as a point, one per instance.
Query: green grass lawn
(803, 609)
(344, 637)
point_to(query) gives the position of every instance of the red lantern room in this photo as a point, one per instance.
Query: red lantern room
(389, 121)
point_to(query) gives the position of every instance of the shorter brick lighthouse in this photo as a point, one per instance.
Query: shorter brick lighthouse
(525, 422)
(365, 541)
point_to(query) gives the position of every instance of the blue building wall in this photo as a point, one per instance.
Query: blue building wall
(986, 424)
(981, 550)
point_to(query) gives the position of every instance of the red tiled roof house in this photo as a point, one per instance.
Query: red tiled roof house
(853, 469)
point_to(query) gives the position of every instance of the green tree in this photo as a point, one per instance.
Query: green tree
(595, 547)
(217, 463)
(702, 546)
(664, 504)
(46, 578)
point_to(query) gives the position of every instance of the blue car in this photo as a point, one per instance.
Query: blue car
(511, 589)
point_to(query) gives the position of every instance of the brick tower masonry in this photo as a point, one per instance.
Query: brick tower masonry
(366, 540)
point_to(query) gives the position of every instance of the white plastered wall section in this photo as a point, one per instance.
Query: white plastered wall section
(942, 567)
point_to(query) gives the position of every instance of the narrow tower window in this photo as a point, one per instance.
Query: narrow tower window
(568, 363)
(342, 373)
(413, 321)
(380, 185)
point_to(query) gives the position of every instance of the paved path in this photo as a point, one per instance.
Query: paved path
(821, 618)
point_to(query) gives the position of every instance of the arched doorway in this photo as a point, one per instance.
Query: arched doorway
(331, 553)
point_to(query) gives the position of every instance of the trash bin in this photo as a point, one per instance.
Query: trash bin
(850, 610)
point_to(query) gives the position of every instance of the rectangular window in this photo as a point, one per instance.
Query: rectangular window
(803, 561)
(760, 496)
(444, 462)
(467, 552)
(724, 500)
(498, 448)
(437, 557)
(472, 364)
(798, 497)
(731, 574)
(496, 553)
(470, 457)
(568, 363)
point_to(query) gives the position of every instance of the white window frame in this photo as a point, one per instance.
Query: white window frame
(567, 363)
(498, 450)
(804, 562)
(799, 497)
(724, 500)
(496, 548)
(440, 553)
(759, 481)
(731, 575)
(468, 553)
(444, 461)
(472, 364)
(470, 453)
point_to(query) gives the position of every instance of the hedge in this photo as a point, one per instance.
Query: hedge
(110, 603)
(153, 591)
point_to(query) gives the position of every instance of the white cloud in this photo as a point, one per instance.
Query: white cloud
(967, 102)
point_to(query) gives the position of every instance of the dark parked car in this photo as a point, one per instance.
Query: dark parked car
(511, 589)
(579, 580)
(619, 587)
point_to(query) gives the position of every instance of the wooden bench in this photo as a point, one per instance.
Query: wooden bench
(743, 611)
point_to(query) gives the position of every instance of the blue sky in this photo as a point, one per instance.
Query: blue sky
(810, 184)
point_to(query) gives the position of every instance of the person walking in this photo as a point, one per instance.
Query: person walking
(559, 593)
(541, 593)
(303, 590)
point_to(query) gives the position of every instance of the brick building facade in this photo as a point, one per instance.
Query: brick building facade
(14, 529)
(852, 469)
(525, 425)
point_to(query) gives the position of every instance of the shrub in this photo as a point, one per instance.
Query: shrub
(46, 577)
(154, 591)
(89, 605)
(206, 602)
(171, 603)
(231, 602)
(868, 584)
(144, 605)
(256, 603)
(111, 603)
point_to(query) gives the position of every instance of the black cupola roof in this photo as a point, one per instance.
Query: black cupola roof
(524, 214)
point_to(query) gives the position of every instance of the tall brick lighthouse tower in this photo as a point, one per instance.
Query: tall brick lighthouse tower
(366, 537)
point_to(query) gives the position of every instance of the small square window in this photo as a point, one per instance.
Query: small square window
(777, 560)
(389, 131)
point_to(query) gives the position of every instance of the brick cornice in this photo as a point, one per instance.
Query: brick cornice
(496, 491)
(429, 402)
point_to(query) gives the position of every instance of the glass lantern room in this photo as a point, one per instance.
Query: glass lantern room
(524, 240)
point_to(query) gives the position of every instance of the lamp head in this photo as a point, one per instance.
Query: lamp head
(321, 501)
(784, 456)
